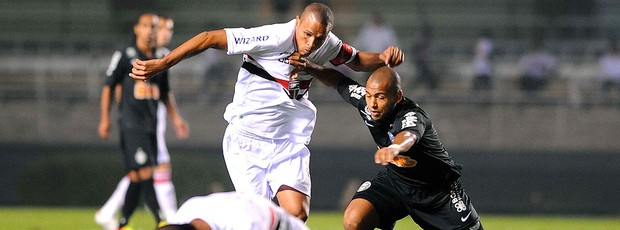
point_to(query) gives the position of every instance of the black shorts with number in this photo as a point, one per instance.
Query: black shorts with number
(139, 148)
(431, 208)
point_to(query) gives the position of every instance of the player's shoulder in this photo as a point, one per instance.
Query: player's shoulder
(408, 107)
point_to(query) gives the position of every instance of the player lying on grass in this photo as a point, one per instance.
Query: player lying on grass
(232, 210)
(420, 179)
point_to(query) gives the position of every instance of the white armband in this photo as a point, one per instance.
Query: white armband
(395, 146)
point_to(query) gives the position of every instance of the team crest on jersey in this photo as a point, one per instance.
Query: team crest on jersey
(140, 156)
(356, 91)
(410, 120)
(364, 186)
(131, 53)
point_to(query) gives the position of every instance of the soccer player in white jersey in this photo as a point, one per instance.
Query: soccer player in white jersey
(270, 118)
(232, 210)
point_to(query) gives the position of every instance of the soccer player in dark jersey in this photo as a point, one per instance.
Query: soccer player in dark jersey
(420, 179)
(138, 115)
(162, 176)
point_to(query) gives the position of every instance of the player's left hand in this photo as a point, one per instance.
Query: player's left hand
(385, 155)
(392, 56)
(181, 128)
(302, 64)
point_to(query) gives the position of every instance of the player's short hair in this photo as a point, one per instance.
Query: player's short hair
(322, 12)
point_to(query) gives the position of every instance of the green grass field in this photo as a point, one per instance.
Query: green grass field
(82, 219)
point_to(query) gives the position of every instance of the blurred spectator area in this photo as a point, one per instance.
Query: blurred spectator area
(61, 48)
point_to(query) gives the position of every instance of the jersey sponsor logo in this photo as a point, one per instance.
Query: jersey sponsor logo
(404, 161)
(457, 201)
(285, 59)
(410, 120)
(364, 186)
(249, 40)
(356, 91)
(145, 91)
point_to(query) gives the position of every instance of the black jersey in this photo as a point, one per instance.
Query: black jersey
(427, 162)
(138, 106)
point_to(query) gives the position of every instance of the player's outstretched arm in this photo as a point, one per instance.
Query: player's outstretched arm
(327, 76)
(145, 69)
(368, 62)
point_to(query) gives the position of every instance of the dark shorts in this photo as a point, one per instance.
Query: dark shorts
(139, 149)
(431, 208)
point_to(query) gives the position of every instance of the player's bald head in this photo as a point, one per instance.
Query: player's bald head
(319, 12)
(385, 78)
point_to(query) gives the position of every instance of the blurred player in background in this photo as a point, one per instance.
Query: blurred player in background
(231, 210)
(142, 124)
(537, 66)
(271, 119)
(610, 72)
(482, 62)
(420, 179)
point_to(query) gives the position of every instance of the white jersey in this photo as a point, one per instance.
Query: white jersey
(610, 67)
(236, 211)
(263, 107)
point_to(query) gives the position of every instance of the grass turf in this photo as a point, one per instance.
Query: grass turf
(35, 218)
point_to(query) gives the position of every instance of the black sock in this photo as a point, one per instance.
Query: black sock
(150, 198)
(131, 202)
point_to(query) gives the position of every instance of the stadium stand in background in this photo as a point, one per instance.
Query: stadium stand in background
(59, 50)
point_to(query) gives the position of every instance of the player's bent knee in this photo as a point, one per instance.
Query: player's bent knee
(477, 226)
(360, 214)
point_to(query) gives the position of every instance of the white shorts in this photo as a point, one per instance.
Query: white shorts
(162, 150)
(260, 165)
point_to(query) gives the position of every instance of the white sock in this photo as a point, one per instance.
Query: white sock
(116, 200)
(166, 196)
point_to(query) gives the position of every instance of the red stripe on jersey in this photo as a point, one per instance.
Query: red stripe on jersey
(345, 54)
(273, 218)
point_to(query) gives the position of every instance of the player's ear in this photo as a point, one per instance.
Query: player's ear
(297, 21)
(399, 95)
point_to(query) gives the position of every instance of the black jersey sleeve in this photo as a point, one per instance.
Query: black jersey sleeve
(115, 71)
(351, 91)
(411, 121)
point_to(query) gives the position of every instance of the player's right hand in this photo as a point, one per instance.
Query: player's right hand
(143, 70)
(392, 56)
(385, 155)
(104, 130)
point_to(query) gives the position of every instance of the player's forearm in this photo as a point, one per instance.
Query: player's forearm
(171, 107)
(366, 62)
(215, 39)
(106, 98)
(329, 77)
(403, 141)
